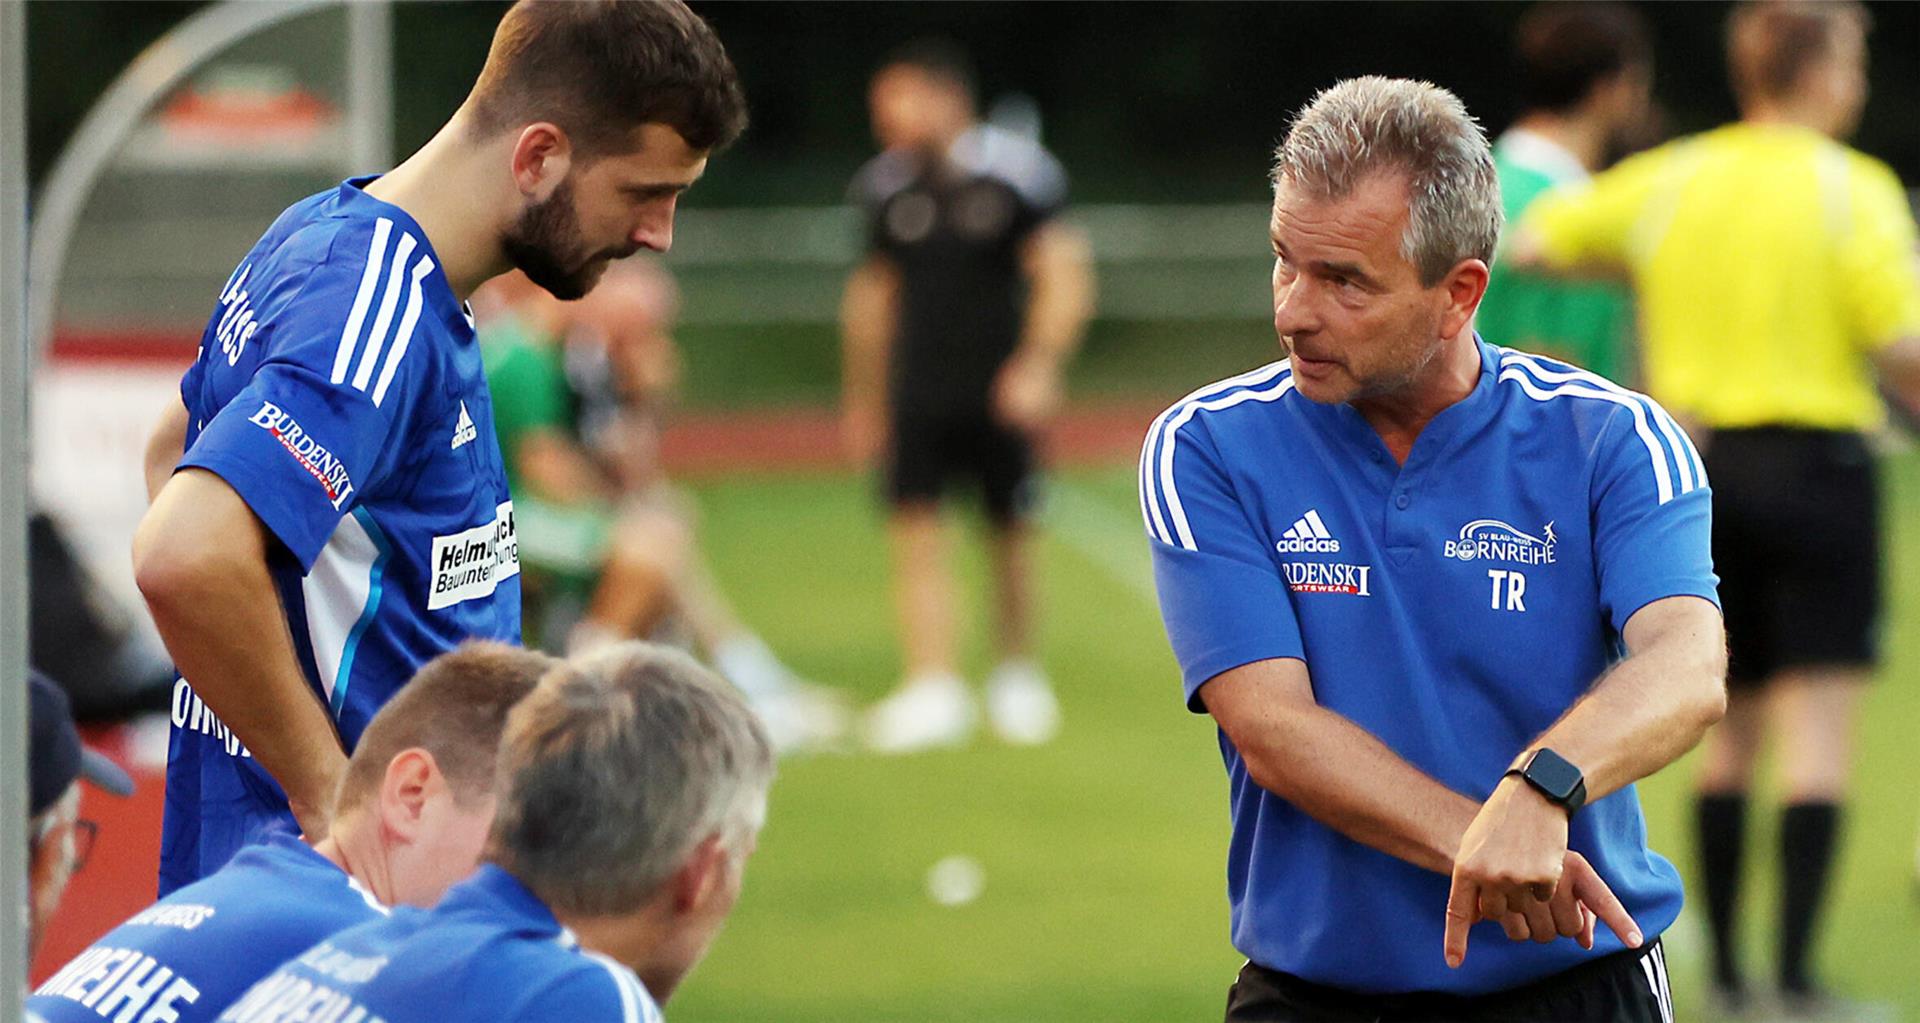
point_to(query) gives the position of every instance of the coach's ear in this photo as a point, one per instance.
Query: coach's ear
(702, 877)
(1462, 288)
(542, 155)
(412, 779)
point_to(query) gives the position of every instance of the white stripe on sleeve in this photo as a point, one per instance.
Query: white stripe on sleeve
(407, 322)
(1149, 493)
(350, 334)
(389, 300)
(1174, 508)
(1677, 447)
(1663, 477)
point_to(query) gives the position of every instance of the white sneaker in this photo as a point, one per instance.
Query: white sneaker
(804, 718)
(1021, 704)
(924, 713)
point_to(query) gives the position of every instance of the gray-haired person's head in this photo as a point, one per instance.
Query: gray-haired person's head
(1363, 127)
(616, 768)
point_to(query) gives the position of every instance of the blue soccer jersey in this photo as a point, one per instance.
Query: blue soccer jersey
(339, 391)
(489, 951)
(192, 953)
(1453, 607)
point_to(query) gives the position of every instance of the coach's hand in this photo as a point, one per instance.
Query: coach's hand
(1514, 867)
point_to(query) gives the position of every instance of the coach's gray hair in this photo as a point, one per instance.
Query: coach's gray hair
(616, 768)
(1366, 126)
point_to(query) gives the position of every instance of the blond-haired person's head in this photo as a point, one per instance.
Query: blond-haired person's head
(413, 810)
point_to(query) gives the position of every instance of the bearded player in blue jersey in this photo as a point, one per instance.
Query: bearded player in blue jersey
(411, 817)
(633, 785)
(1446, 601)
(340, 513)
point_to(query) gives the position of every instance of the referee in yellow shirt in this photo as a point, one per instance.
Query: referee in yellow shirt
(1776, 274)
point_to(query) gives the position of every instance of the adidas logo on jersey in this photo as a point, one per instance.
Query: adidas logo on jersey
(463, 430)
(1308, 536)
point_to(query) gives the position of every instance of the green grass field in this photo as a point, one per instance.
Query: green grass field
(1104, 852)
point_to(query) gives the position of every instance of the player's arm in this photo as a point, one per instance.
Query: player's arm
(200, 560)
(1057, 262)
(1332, 769)
(165, 444)
(869, 316)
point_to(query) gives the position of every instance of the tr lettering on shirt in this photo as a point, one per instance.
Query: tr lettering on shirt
(122, 985)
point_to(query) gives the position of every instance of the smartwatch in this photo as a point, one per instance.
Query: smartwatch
(1554, 777)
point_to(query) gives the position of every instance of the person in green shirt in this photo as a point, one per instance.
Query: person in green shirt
(1585, 77)
(578, 391)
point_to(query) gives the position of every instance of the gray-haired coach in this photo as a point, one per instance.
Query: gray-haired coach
(1447, 601)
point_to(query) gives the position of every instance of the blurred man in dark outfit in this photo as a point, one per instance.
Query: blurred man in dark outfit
(957, 326)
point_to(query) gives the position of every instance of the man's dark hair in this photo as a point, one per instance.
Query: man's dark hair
(1771, 45)
(940, 59)
(1565, 49)
(601, 68)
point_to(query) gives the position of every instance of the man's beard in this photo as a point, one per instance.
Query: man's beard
(546, 244)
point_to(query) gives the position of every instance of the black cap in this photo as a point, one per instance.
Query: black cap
(55, 752)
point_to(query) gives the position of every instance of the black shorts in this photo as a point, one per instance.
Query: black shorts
(1625, 987)
(928, 455)
(1796, 541)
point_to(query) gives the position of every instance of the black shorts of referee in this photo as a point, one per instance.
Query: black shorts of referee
(1796, 542)
(933, 454)
(1626, 987)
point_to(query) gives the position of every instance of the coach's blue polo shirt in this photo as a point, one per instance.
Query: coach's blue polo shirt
(491, 950)
(1453, 607)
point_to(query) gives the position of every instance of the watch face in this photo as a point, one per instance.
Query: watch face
(1553, 773)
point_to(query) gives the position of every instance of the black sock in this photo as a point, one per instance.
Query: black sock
(1720, 824)
(1807, 832)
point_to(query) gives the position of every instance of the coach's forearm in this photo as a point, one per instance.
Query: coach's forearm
(1334, 770)
(200, 562)
(1348, 780)
(1653, 706)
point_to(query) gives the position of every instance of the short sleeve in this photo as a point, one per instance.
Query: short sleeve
(1880, 261)
(327, 405)
(1652, 513)
(1592, 222)
(1221, 595)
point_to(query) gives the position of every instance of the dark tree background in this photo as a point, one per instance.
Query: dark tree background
(1144, 102)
